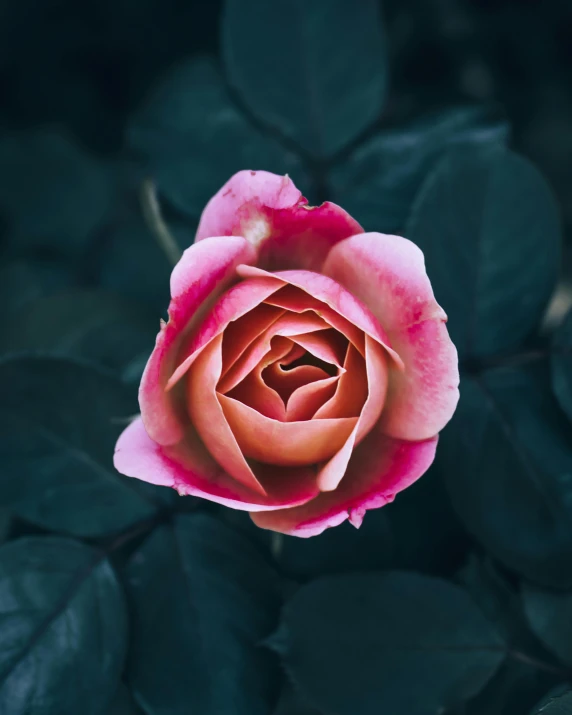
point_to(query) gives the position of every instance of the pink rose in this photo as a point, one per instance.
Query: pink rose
(305, 370)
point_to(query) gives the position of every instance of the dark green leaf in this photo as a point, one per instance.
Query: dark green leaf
(123, 703)
(513, 690)
(378, 182)
(204, 598)
(53, 193)
(96, 326)
(63, 628)
(133, 264)
(59, 421)
(413, 643)
(24, 282)
(550, 617)
(316, 71)
(558, 706)
(489, 228)
(290, 703)
(191, 138)
(507, 462)
(344, 548)
(562, 365)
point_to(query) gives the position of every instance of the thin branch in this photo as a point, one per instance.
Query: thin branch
(155, 221)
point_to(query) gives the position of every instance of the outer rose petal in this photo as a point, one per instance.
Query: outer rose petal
(380, 467)
(203, 273)
(270, 212)
(388, 274)
(192, 471)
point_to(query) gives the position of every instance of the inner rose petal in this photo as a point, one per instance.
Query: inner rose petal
(284, 443)
(351, 393)
(304, 401)
(285, 382)
(286, 325)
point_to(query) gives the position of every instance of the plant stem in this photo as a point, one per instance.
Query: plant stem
(155, 221)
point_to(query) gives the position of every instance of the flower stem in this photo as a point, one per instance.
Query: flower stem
(155, 221)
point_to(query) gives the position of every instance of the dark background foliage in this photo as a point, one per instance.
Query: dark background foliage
(449, 121)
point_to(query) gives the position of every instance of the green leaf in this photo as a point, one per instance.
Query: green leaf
(24, 282)
(204, 598)
(562, 365)
(59, 421)
(316, 71)
(550, 617)
(62, 201)
(490, 231)
(413, 643)
(378, 182)
(191, 139)
(96, 326)
(64, 628)
(507, 461)
(558, 706)
(290, 703)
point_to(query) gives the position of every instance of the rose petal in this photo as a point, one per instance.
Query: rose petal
(241, 332)
(255, 393)
(284, 443)
(192, 471)
(286, 325)
(202, 274)
(335, 296)
(379, 468)
(271, 213)
(209, 420)
(331, 474)
(351, 393)
(327, 345)
(388, 274)
(286, 382)
(306, 400)
(233, 304)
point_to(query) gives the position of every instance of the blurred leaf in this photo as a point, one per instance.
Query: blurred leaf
(52, 192)
(426, 533)
(123, 703)
(133, 265)
(411, 642)
(558, 706)
(96, 326)
(23, 282)
(316, 71)
(290, 703)
(519, 683)
(344, 548)
(507, 464)
(378, 183)
(191, 139)
(489, 228)
(59, 421)
(562, 365)
(550, 617)
(64, 628)
(203, 599)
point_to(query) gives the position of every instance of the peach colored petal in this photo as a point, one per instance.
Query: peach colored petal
(286, 325)
(331, 474)
(286, 382)
(233, 304)
(209, 419)
(388, 274)
(335, 296)
(201, 275)
(327, 345)
(284, 443)
(351, 393)
(271, 213)
(380, 467)
(241, 332)
(303, 402)
(255, 393)
(190, 469)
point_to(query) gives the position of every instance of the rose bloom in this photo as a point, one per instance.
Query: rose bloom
(305, 370)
